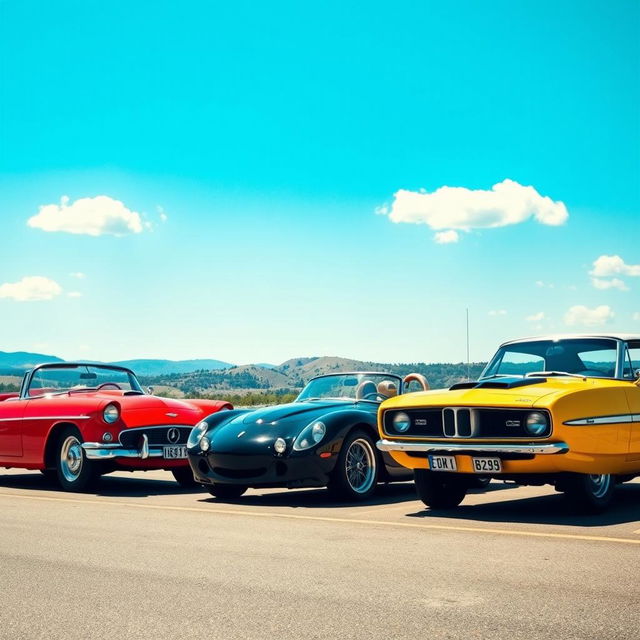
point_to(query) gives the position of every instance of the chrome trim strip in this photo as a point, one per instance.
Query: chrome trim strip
(529, 449)
(101, 451)
(596, 420)
(45, 418)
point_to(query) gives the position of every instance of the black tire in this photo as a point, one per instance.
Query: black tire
(440, 491)
(184, 477)
(355, 476)
(74, 471)
(589, 493)
(226, 491)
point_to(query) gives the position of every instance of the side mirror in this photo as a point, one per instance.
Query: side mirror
(150, 390)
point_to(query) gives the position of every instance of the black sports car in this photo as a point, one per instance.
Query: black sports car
(326, 437)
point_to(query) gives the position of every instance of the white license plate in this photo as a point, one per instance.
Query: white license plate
(487, 465)
(174, 453)
(442, 463)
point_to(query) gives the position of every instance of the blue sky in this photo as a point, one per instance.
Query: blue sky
(251, 145)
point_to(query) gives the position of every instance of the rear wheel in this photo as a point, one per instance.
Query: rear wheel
(589, 493)
(74, 471)
(440, 491)
(356, 473)
(226, 491)
(184, 477)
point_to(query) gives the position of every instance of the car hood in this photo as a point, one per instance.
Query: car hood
(258, 429)
(542, 394)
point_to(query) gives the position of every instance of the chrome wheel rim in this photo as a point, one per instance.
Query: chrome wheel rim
(71, 459)
(360, 465)
(599, 484)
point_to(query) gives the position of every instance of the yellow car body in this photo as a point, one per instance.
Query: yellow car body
(593, 420)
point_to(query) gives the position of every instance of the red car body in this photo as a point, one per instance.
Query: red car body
(147, 430)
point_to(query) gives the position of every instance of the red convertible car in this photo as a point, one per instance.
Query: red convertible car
(77, 421)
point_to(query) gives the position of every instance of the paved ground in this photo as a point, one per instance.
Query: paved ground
(142, 559)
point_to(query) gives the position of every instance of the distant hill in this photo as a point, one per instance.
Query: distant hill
(18, 362)
(293, 374)
(14, 363)
(206, 377)
(164, 367)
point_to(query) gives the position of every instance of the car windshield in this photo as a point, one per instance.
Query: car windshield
(374, 387)
(78, 378)
(590, 357)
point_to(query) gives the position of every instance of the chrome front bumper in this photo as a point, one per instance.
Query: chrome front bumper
(474, 447)
(104, 451)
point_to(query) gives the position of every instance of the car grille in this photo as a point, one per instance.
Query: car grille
(464, 422)
(158, 436)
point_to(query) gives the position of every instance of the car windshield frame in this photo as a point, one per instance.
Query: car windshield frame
(363, 374)
(28, 378)
(521, 346)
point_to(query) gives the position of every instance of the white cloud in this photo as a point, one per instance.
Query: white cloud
(536, 317)
(97, 216)
(161, 212)
(581, 315)
(447, 237)
(74, 294)
(31, 288)
(607, 266)
(614, 283)
(78, 274)
(636, 316)
(449, 208)
(498, 312)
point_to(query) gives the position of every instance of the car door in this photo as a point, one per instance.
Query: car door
(11, 414)
(631, 369)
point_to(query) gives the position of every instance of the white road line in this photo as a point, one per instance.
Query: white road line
(290, 516)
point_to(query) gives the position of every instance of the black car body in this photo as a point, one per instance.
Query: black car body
(267, 447)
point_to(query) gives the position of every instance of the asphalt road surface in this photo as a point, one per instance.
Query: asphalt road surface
(143, 559)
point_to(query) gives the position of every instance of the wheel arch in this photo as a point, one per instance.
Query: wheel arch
(52, 438)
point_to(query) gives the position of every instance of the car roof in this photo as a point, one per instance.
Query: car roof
(625, 337)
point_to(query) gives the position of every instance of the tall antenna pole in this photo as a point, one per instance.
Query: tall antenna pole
(468, 359)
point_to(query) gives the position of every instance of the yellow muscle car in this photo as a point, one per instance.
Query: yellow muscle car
(560, 410)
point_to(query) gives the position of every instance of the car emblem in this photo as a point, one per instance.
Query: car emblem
(421, 422)
(171, 415)
(241, 434)
(512, 423)
(173, 435)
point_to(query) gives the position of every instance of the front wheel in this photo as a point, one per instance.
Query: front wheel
(356, 473)
(184, 477)
(75, 472)
(589, 493)
(439, 491)
(226, 491)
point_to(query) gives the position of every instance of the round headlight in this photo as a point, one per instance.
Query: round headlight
(310, 436)
(196, 434)
(205, 443)
(280, 445)
(401, 422)
(111, 413)
(537, 423)
(317, 431)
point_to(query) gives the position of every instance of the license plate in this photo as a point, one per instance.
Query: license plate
(442, 463)
(487, 465)
(174, 453)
